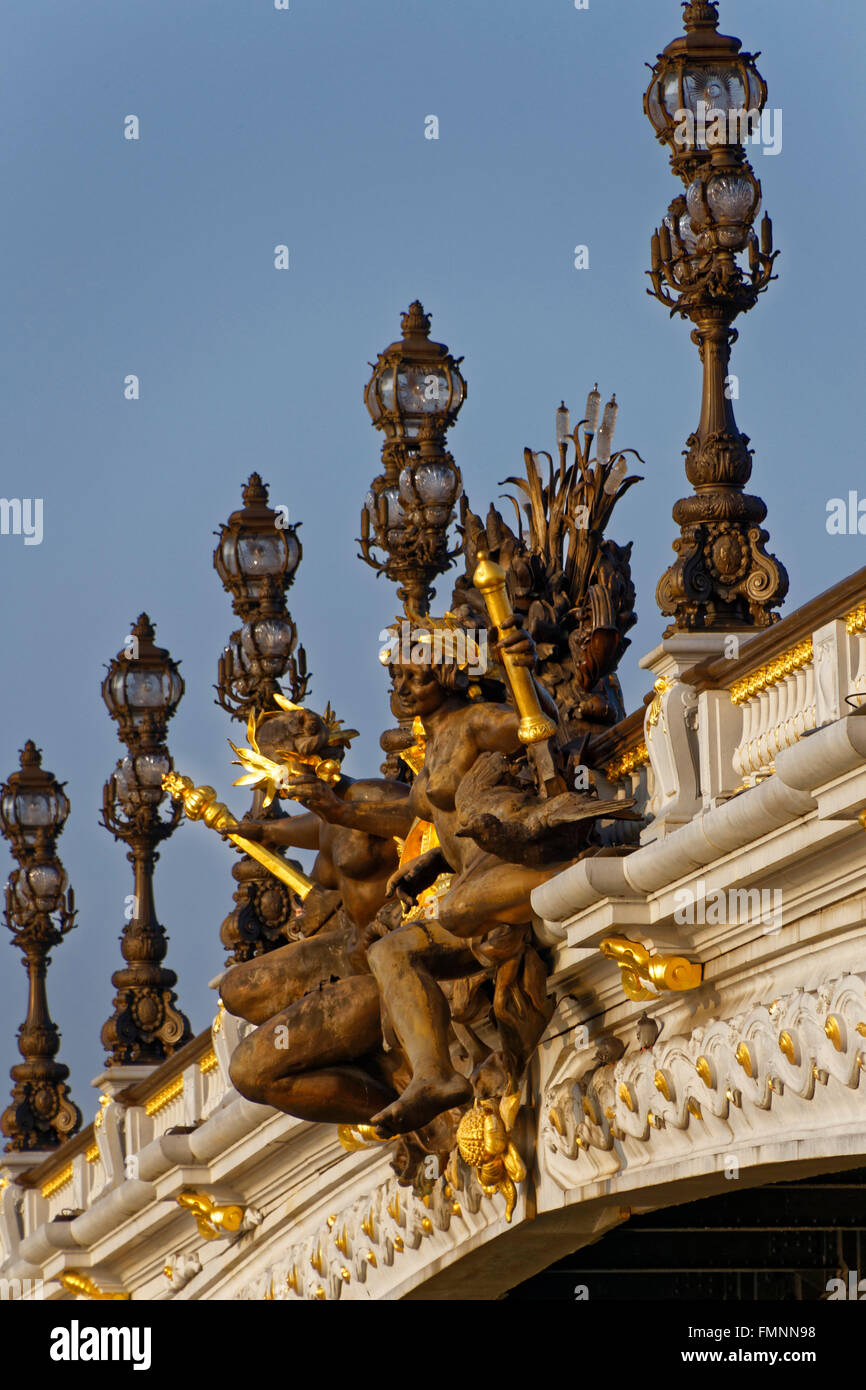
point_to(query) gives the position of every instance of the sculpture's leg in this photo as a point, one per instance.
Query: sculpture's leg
(258, 989)
(489, 894)
(407, 963)
(402, 963)
(334, 1095)
(300, 1060)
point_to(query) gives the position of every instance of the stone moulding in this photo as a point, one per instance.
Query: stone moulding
(55, 1184)
(364, 1250)
(164, 1097)
(801, 770)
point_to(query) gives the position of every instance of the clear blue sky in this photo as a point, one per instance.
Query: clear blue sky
(155, 257)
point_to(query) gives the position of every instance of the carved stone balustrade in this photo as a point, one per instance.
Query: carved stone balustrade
(714, 725)
(855, 625)
(778, 707)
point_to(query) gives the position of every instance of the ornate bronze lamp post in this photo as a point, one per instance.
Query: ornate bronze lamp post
(708, 266)
(40, 910)
(142, 690)
(256, 557)
(413, 396)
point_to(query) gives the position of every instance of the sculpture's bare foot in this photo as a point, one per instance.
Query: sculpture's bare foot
(421, 1102)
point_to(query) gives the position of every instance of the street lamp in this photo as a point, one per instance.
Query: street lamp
(709, 266)
(256, 557)
(142, 690)
(414, 380)
(413, 397)
(40, 910)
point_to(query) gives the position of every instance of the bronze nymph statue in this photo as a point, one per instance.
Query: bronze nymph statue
(417, 984)
(294, 991)
(479, 920)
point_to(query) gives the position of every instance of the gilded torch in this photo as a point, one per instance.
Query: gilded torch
(200, 803)
(535, 727)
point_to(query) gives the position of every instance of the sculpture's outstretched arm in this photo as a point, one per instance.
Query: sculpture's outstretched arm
(299, 832)
(385, 814)
(494, 728)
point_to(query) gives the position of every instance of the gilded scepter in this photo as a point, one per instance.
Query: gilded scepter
(200, 803)
(535, 728)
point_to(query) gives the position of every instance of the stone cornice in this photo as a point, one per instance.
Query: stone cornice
(712, 835)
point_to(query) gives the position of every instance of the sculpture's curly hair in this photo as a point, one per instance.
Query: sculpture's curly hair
(448, 639)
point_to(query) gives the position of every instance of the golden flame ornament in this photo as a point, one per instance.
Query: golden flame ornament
(276, 778)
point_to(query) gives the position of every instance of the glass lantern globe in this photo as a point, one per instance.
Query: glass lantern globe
(124, 781)
(701, 76)
(32, 803)
(697, 208)
(390, 510)
(688, 236)
(45, 884)
(22, 900)
(269, 637)
(732, 197)
(679, 223)
(138, 779)
(414, 380)
(143, 683)
(255, 553)
(266, 644)
(150, 768)
(436, 484)
(255, 556)
(143, 691)
(408, 495)
(395, 515)
(725, 203)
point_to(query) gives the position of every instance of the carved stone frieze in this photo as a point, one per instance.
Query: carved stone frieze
(735, 1084)
(363, 1250)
